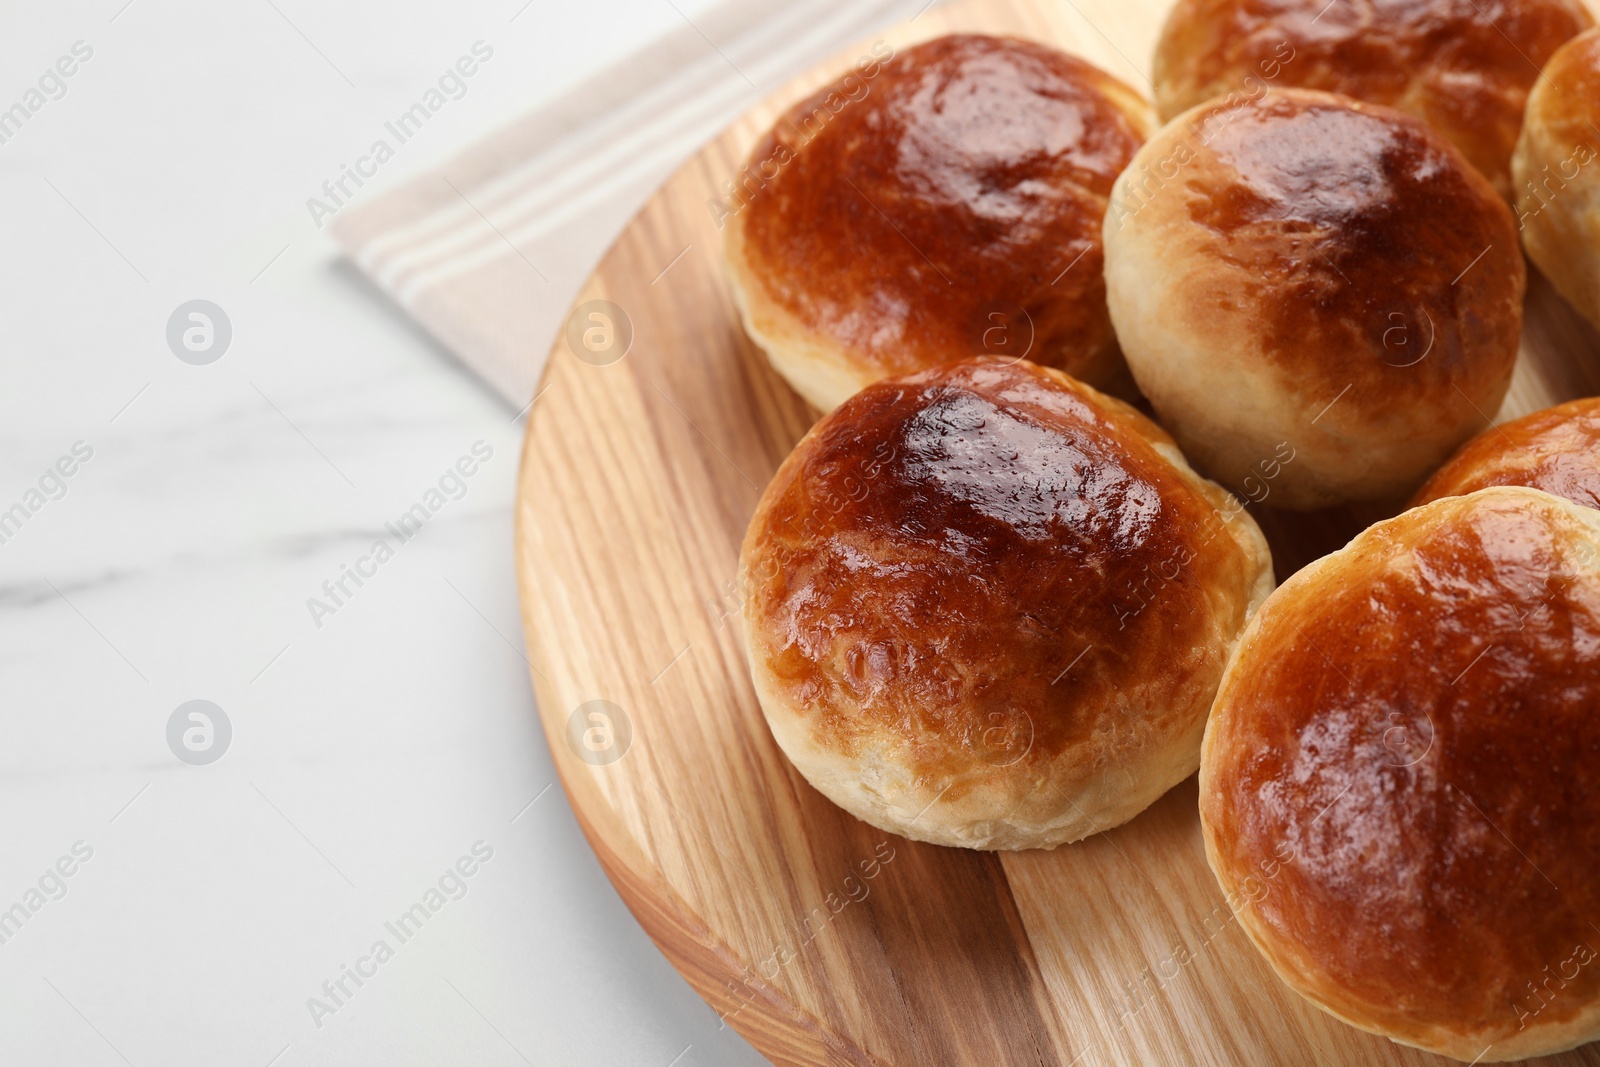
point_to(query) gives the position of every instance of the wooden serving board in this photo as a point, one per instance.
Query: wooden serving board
(821, 939)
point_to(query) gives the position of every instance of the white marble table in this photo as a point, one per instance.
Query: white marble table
(167, 912)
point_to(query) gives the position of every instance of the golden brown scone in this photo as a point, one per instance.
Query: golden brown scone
(1400, 786)
(1557, 174)
(1557, 450)
(942, 204)
(1462, 66)
(1314, 276)
(988, 606)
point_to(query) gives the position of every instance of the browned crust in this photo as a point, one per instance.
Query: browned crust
(1463, 66)
(1307, 248)
(1557, 450)
(938, 556)
(1399, 777)
(890, 217)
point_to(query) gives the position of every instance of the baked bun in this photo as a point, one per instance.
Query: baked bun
(1462, 66)
(943, 204)
(1557, 450)
(1399, 790)
(986, 605)
(1557, 174)
(1313, 277)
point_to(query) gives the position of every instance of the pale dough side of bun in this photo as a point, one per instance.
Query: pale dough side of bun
(1556, 171)
(819, 370)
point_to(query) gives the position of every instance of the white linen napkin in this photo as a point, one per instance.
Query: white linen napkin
(488, 250)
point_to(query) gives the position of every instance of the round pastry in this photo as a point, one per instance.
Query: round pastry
(1557, 174)
(1557, 450)
(1462, 66)
(1399, 790)
(988, 606)
(937, 205)
(1314, 277)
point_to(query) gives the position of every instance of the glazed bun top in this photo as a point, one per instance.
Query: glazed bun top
(985, 548)
(1347, 243)
(965, 177)
(1463, 66)
(1403, 757)
(1557, 450)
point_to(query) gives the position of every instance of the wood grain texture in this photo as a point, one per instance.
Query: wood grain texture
(821, 939)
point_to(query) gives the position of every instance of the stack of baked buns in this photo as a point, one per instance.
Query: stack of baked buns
(989, 604)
